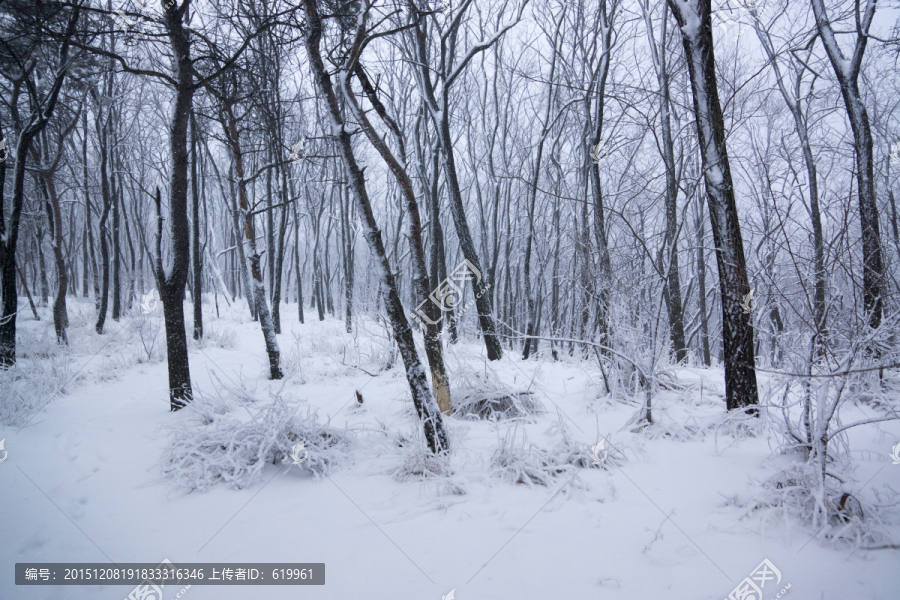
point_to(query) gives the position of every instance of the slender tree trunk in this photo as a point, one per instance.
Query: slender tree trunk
(243, 271)
(426, 407)
(673, 282)
(297, 261)
(432, 318)
(535, 180)
(116, 238)
(280, 253)
(103, 137)
(229, 124)
(196, 258)
(847, 73)
(171, 287)
(54, 218)
(701, 287)
(694, 18)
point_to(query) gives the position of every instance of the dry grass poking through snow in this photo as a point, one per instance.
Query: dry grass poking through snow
(231, 436)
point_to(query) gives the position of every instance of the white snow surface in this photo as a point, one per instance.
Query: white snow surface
(83, 480)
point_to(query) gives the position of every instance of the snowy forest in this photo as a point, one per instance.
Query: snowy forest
(460, 298)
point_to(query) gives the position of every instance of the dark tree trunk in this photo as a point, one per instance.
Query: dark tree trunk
(426, 407)
(297, 262)
(117, 243)
(54, 218)
(102, 134)
(196, 258)
(347, 238)
(847, 72)
(132, 272)
(701, 287)
(258, 286)
(431, 330)
(9, 232)
(171, 288)
(24, 281)
(41, 266)
(88, 220)
(278, 258)
(673, 281)
(694, 18)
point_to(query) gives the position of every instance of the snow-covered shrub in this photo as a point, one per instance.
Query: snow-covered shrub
(485, 397)
(29, 385)
(835, 514)
(570, 452)
(419, 463)
(230, 438)
(527, 463)
(218, 335)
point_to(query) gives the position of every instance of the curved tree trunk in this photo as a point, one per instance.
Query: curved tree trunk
(432, 319)
(426, 407)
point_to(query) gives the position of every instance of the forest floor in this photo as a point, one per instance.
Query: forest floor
(669, 515)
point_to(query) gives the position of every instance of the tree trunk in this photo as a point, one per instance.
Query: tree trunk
(432, 318)
(116, 239)
(196, 258)
(694, 18)
(701, 286)
(171, 287)
(102, 135)
(847, 72)
(673, 282)
(426, 407)
(258, 287)
(54, 218)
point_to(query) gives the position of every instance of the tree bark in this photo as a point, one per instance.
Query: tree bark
(694, 18)
(171, 285)
(258, 286)
(196, 258)
(431, 330)
(429, 413)
(847, 73)
(103, 138)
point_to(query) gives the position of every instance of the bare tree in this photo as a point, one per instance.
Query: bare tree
(847, 72)
(426, 407)
(22, 72)
(437, 102)
(694, 19)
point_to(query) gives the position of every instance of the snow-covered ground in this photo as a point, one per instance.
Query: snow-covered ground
(667, 516)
